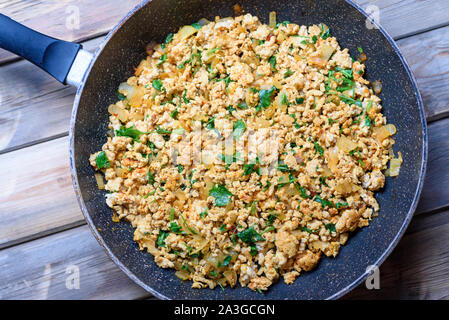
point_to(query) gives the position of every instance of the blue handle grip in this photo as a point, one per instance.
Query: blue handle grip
(50, 54)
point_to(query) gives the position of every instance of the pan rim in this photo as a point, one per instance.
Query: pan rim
(342, 291)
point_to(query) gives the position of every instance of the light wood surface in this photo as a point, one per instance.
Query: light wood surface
(42, 230)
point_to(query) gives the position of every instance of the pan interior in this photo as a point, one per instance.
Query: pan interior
(332, 277)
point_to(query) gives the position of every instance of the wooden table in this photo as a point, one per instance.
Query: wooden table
(42, 231)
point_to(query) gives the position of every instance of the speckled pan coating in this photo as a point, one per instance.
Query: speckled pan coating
(153, 20)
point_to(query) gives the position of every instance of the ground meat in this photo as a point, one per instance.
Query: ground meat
(242, 153)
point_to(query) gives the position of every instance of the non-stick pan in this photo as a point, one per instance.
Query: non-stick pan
(98, 76)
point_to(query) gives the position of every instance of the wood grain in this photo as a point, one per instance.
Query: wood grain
(403, 18)
(35, 107)
(98, 17)
(38, 270)
(35, 175)
(428, 57)
(419, 266)
(58, 18)
(417, 269)
(435, 194)
(36, 195)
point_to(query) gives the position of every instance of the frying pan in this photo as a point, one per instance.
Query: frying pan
(98, 76)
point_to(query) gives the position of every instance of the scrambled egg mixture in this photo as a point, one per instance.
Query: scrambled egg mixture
(291, 148)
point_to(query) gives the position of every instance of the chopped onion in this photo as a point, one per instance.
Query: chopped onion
(395, 166)
(345, 144)
(381, 133)
(332, 159)
(272, 19)
(186, 32)
(127, 90)
(262, 123)
(182, 274)
(345, 187)
(179, 131)
(120, 172)
(100, 181)
(231, 277)
(120, 113)
(377, 86)
(324, 53)
(137, 97)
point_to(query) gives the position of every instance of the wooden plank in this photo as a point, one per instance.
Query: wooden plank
(428, 57)
(37, 195)
(78, 20)
(417, 269)
(47, 104)
(25, 90)
(33, 105)
(39, 270)
(396, 15)
(71, 20)
(32, 176)
(435, 194)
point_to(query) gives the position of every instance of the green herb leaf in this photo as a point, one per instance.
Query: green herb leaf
(330, 227)
(341, 205)
(288, 73)
(226, 261)
(131, 132)
(162, 59)
(157, 84)
(203, 214)
(151, 178)
(221, 194)
(318, 148)
(299, 100)
(272, 61)
(121, 96)
(175, 227)
(324, 203)
(161, 238)
(102, 160)
(250, 236)
(238, 129)
(265, 98)
(197, 26)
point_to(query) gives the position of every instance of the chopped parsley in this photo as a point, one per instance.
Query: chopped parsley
(318, 148)
(161, 238)
(162, 59)
(197, 26)
(238, 129)
(175, 227)
(121, 96)
(151, 178)
(221, 194)
(203, 214)
(330, 227)
(250, 236)
(288, 73)
(226, 261)
(324, 203)
(265, 98)
(131, 132)
(102, 160)
(157, 84)
(341, 205)
(273, 63)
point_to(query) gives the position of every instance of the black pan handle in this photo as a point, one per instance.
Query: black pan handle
(50, 54)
